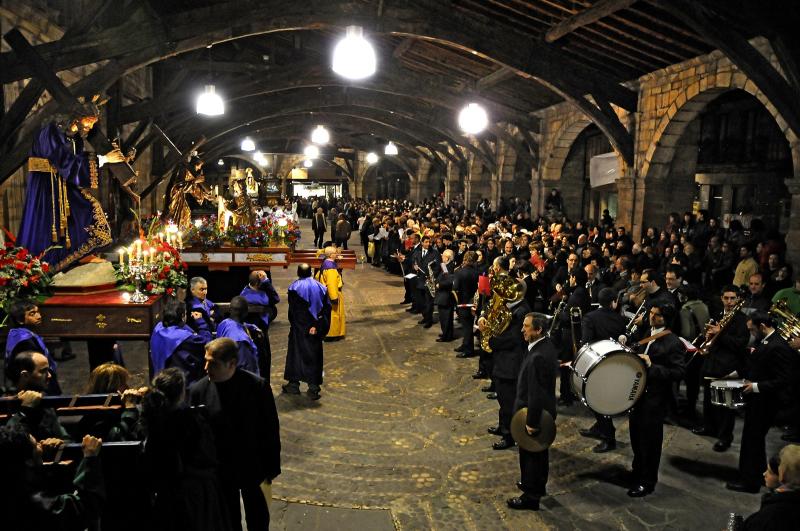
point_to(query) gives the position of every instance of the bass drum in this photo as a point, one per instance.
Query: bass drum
(608, 377)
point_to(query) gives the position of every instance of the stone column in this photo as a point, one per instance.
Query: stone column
(793, 233)
(537, 193)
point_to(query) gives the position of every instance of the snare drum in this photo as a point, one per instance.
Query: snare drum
(727, 393)
(608, 377)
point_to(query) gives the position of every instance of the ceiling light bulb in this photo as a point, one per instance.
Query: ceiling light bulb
(372, 158)
(311, 151)
(308, 163)
(353, 56)
(248, 145)
(220, 162)
(473, 119)
(320, 135)
(210, 103)
(390, 149)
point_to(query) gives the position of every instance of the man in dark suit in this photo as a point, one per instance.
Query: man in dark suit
(726, 355)
(603, 323)
(407, 261)
(444, 300)
(664, 358)
(578, 299)
(593, 283)
(507, 351)
(770, 374)
(426, 261)
(319, 226)
(465, 283)
(536, 390)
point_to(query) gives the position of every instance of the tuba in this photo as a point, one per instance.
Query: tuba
(788, 324)
(505, 290)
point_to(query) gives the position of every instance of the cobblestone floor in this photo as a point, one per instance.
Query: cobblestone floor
(401, 426)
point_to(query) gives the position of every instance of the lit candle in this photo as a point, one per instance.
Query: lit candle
(153, 255)
(138, 249)
(180, 240)
(161, 236)
(145, 257)
(126, 297)
(121, 256)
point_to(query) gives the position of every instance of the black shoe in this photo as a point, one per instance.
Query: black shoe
(590, 432)
(519, 485)
(427, 325)
(492, 396)
(422, 321)
(459, 348)
(466, 355)
(740, 486)
(313, 394)
(504, 444)
(702, 431)
(444, 340)
(640, 491)
(494, 430)
(605, 446)
(523, 503)
(411, 310)
(291, 389)
(487, 389)
(480, 375)
(406, 302)
(721, 446)
(566, 402)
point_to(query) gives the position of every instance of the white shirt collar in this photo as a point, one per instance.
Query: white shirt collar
(531, 345)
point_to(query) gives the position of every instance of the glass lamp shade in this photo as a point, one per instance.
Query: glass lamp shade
(308, 163)
(210, 103)
(390, 149)
(473, 119)
(320, 135)
(311, 151)
(372, 158)
(353, 56)
(248, 145)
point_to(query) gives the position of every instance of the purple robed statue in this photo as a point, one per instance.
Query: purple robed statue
(59, 210)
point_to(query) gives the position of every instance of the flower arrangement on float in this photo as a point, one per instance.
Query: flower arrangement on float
(205, 233)
(22, 275)
(153, 265)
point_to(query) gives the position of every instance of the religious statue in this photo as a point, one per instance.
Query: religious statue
(191, 184)
(240, 210)
(59, 212)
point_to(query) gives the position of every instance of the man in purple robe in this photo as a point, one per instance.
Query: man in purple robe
(25, 315)
(309, 318)
(59, 210)
(244, 334)
(174, 344)
(259, 291)
(203, 314)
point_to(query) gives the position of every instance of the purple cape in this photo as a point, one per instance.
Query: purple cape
(18, 335)
(236, 331)
(256, 296)
(328, 264)
(164, 341)
(311, 291)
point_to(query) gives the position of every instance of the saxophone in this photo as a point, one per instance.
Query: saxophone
(430, 282)
(505, 290)
(723, 323)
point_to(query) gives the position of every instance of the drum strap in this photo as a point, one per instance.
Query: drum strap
(654, 337)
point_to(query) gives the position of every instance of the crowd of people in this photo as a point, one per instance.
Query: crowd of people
(208, 418)
(692, 283)
(527, 294)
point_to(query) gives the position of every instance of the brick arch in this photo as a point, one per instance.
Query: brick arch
(687, 106)
(559, 146)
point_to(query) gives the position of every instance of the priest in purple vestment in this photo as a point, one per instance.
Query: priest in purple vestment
(259, 291)
(59, 210)
(309, 318)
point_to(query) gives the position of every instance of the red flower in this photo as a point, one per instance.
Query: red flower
(22, 254)
(165, 270)
(9, 245)
(149, 286)
(24, 283)
(3, 281)
(162, 276)
(20, 265)
(170, 291)
(45, 267)
(34, 279)
(184, 265)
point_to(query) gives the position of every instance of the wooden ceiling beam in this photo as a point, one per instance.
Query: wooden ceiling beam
(495, 78)
(403, 47)
(600, 9)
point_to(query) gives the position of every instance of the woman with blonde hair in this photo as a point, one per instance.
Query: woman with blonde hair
(780, 510)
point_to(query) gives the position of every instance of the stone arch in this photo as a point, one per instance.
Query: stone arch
(688, 105)
(560, 144)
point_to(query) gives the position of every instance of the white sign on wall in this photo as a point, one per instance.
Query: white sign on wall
(603, 169)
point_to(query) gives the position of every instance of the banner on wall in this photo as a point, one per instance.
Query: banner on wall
(603, 169)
